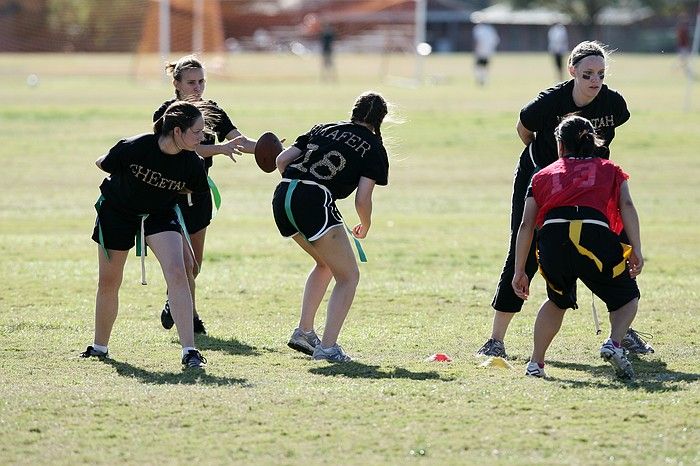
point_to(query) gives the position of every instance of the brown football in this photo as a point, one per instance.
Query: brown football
(267, 149)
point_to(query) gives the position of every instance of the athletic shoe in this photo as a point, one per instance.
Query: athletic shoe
(92, 352)
(333, 354)
(634, 343)
(617, 359)
(534, 370)
(198, 326)
(493, 348)
(193, 359)
(304, 342)
(166, 318)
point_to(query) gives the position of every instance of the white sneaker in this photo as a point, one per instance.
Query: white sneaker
(534, 370)
(617, 359)
(304, 342)
(634, 343)
(334, 354)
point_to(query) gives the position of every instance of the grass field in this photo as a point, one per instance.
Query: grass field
(435, 250)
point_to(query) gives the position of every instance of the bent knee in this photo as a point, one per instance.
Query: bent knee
(322, 268)
(350, 277)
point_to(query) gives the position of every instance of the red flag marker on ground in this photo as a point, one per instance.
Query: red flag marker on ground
(439, 357)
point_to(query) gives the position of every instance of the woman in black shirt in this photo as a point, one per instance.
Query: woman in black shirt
(330, 162)
(147, 173)
(190, 82)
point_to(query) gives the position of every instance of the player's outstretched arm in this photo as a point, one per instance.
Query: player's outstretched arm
(630, 220)
(243, 142)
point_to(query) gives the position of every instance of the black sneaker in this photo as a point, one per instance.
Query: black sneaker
(198, 326)
(493, 348)
(166, 318)
(92, 352)
(635, 344)
(194, 359)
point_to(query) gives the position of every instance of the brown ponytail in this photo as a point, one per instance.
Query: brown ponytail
(370, 108)
(578, 137)
(179, 114)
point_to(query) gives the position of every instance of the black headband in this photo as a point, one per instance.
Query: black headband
(591, 53)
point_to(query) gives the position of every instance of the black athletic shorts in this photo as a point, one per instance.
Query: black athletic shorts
(561, 264)
(313, 209)
(198, 215)
(119, 229)
(482, 61)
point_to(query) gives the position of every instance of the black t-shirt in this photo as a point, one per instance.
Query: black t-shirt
(143, 179)
(542, 115)
(222, 125)
(336, 155)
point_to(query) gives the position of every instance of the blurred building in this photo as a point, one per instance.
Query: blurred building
(628, 29)
(293, 25)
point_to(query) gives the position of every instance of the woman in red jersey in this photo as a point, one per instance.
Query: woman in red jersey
(580, 204)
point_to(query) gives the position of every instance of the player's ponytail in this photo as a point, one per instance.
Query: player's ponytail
(587, 142)
(578, 137)
(370, 108)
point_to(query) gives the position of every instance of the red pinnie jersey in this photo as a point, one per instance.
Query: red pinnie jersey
(590, 182)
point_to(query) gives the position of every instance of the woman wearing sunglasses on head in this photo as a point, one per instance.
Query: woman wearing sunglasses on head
(584, 95)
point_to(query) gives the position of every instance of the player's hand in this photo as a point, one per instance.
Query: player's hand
(232, 147)
(635, 263)
(360, 231)
(521, 285)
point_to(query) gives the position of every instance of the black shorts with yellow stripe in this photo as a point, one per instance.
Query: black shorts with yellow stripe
(574, 243)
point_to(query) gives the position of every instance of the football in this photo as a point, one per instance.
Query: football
(267, 149)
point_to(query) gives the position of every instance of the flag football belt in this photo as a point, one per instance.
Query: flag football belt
(215, 194)
(141, 248)
(288, 210)
(575, 237)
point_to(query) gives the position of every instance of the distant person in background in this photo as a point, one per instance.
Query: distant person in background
(328, 72)
(683, 44)
(146, 174)
(485, 42)
(190, 82)
(585, 95)
(558, 46)
(580, 204)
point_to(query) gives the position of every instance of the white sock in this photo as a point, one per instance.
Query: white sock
(99, 347)
(186, 349)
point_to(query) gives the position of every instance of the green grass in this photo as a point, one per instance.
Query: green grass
(435, 250)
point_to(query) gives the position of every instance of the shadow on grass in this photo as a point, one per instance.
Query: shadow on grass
(650, 375)
(232, 346)
(359, 370)
(186, 377)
